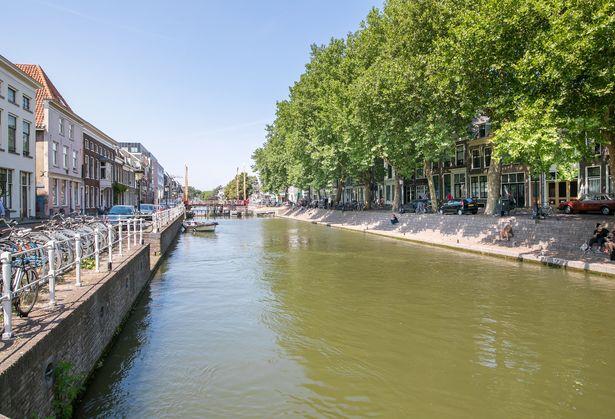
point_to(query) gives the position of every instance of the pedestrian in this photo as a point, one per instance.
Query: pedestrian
(394, 219)
(449, 197)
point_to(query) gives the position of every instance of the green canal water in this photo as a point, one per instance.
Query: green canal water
(276, 318)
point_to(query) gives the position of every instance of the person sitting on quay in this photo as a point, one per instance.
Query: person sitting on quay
(599, 237)
(394, 219)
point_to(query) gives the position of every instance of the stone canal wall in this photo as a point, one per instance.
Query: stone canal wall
(160, 242)
(554, 241)
(77, 332)
(82, 333)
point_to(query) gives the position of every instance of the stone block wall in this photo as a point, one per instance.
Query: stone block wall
(80, 337)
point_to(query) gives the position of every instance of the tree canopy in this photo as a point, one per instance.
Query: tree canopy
(405, 87)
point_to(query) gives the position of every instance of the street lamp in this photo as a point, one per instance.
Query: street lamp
(138, 177)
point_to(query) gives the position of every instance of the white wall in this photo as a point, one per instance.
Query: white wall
(17, 161)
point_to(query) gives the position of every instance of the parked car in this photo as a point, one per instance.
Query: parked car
(599, 203)
(147, 210)
(120, 212)
(459, 206)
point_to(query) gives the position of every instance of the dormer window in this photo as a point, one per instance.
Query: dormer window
(484, 130)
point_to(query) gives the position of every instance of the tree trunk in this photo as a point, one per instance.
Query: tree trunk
(367, 184)
(609, 137)
(340, 188)
(397, 193)
(432, 187)
(494, 179)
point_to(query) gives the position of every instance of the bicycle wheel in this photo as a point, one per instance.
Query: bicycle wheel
(27, 298)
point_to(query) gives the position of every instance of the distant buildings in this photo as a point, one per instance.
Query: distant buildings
(54, 161)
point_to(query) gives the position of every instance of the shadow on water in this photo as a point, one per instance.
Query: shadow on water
(121, 356)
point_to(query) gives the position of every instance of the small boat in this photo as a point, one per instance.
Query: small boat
(199, 226)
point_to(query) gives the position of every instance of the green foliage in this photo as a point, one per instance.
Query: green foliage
(88, 263)
(406, 85)
(230, 190)
(66, 388)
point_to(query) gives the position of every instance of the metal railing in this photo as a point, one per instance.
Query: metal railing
(161, 219)
(58, 257)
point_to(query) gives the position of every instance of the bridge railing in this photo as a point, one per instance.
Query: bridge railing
(163, 218)
(25, 272)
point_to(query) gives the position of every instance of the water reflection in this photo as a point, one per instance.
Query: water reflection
(272, 318)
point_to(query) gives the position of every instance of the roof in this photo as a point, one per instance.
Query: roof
(47, 92)
(18, 73)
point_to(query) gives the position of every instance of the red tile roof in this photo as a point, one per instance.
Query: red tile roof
(47, 92)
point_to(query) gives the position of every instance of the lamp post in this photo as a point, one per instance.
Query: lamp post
(138, 177)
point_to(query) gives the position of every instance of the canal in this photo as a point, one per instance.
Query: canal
(277, 318)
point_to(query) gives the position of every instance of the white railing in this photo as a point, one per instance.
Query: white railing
(161, 219)
(57, 257)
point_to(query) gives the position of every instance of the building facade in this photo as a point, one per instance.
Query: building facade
(98, 169)
(17, 141)
(59, 149)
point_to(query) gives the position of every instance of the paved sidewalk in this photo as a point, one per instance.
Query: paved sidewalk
(555, 241)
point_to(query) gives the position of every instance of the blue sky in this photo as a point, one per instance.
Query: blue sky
(195, 81)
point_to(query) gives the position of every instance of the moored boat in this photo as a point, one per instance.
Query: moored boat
(199, 226)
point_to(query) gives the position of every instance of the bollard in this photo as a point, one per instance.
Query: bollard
(97, 249)
(141, 231)
(134, 238)
(51, 254)
(6, 295)
(109, 247)
(128, 234)
(78, 259)
(119, 232)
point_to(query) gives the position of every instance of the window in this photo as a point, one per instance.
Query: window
(63, 192)
(26, 138)
(484, 130)
(482, 180)
(6, 187)
(71, 131)
(388, 193)
(476, 158)
(61, 126)
(91, 168)
(459, 155)
(389, 171)
(25, 102)
(593, 179)
(12, 133)
(54, 153)
(11, 95)
(420, 173)
(459, 183)
(103, 170)
(487, 153)
(74, 160)
(86, 169)
(513, 185)
(65, 156)
(54, 191)
(26, 189)
(85, 143)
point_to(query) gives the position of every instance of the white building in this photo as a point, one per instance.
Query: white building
(17, 140)
(59, 149)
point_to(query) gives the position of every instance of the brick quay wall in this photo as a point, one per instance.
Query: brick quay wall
(553, 241)
(78, 331)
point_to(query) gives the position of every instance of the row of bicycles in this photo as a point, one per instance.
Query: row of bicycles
(29, 248)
